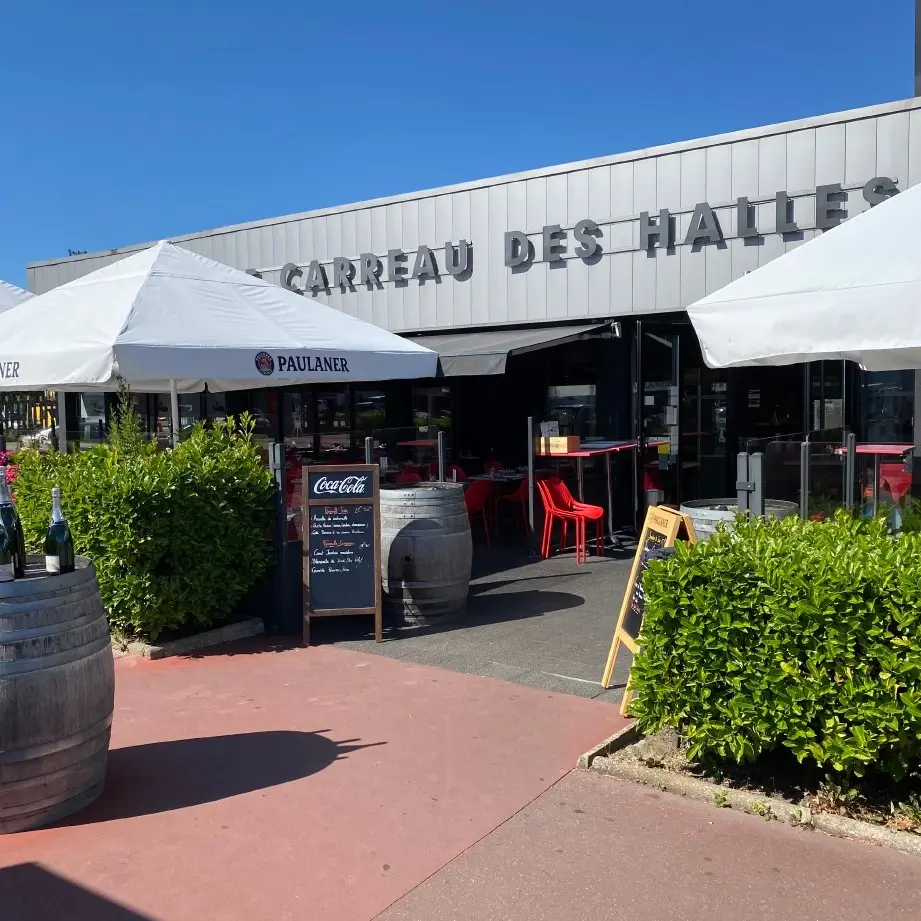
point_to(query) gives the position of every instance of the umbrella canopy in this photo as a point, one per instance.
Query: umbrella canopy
(168, 318)
(11, 296)
(851, 293)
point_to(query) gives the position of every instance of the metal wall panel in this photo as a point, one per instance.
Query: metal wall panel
(536, 195)
(800, 160)
(460, 209)
(517, 280)
(849, 148)
(829, 154)
(719, 174)
(427, 290)
(444, 291)
(364, 293)
(859, 151)
(772, 165)
(555, 272)
(411, 316)
(578, 207)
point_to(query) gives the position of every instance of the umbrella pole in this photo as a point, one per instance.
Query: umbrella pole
(174, 410)
(62, 422)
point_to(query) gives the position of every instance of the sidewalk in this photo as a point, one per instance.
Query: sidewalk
(298, 784)
(596, 847)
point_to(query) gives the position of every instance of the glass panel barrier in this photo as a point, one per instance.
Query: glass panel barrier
(407, 452)
(827, 469)
(782, 471)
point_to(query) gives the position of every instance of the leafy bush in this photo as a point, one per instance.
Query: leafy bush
(788, 633)
(177, 536)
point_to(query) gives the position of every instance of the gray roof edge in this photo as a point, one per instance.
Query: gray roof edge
(746, 134)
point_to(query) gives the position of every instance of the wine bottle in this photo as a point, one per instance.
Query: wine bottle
(10, 519)
(6, 555)
(59, 543)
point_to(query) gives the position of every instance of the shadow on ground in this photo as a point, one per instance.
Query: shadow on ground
(163, 776)
(29, 892)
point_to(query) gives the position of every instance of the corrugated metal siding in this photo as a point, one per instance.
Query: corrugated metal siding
(849, 149)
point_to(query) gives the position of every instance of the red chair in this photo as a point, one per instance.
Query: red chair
(477, 499)
(896, 479)
(563, 498)
(553, 513)
(519, 500)
(408, 477)
(492, 464)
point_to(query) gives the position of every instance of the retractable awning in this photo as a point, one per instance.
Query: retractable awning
(466, 354)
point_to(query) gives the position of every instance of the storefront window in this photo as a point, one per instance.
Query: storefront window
(888, 406)
(370, 413)
(432, 410)
(574, 407)
(91, 411)
(334, 425)
(216, 406)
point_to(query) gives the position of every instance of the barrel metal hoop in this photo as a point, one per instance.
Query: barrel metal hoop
(22, 666)
(17, 755)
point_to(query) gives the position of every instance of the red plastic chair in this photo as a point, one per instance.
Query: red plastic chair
(563, 498)
(553, 513)
(477, 500)
(519, 500)
(492, 464)
(408, 477)
(896, 479)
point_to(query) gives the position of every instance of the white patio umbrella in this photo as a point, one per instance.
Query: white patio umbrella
(853, 293)
(11, 296)
(167, 319)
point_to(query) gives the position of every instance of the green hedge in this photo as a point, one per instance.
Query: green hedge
(788, 633)
(177, 537)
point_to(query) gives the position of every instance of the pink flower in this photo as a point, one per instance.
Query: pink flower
(12, 471)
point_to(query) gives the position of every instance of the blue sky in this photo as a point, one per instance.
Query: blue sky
(126, 122)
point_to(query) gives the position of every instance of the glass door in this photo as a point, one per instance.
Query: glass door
(658, 361)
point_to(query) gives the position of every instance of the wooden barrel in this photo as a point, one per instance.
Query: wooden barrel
(57, 691)
(708, 514)
(426, 551)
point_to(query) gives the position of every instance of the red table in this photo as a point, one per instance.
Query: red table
(602, 449)
(878, 451)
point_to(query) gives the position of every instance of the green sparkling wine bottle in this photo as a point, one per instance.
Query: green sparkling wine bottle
(59, 543)
(6, 555)
(10, 519)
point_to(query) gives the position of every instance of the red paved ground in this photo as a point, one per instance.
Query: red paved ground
(599, 848)
(298, 784)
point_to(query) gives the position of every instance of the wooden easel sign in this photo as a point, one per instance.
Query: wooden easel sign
(662, 527)
(341, 511)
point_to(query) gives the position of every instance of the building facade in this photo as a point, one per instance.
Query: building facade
(632, 238)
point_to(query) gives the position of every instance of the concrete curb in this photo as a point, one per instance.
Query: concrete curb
(240, 630)
(765, 806)
(621, 739)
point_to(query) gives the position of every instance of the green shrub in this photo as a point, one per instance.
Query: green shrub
(177, 537)
(788, 633)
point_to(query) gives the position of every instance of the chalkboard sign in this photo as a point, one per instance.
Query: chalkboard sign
(342, 549)
(661, 528)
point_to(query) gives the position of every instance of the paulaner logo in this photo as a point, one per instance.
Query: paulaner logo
(9, 369)
(342, 486)
(312, 363)
(265, 364)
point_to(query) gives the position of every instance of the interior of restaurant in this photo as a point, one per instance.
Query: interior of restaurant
(596, 387)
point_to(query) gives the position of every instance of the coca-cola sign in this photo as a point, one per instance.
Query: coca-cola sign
(348, 484)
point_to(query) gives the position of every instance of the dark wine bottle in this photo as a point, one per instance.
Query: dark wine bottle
(10, 519)
(59, 543)
(6, 555)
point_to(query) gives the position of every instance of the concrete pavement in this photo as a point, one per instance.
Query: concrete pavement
(540, 623)
(292, 784)
(596, 847)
